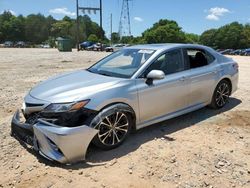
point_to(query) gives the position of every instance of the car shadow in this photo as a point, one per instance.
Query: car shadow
(98, 157)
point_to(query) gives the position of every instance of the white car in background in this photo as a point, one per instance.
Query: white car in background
(115, 47)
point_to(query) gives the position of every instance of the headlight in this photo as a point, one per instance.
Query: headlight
(65, 107)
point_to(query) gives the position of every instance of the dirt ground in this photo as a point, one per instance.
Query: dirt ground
(206, 148)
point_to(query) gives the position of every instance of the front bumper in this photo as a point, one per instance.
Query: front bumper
(61, 144)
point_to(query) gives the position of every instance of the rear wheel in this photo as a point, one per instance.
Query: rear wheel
(221, 94)
(114, 125)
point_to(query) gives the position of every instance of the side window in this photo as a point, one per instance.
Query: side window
(210, 57)
(197, 58)
(170, 62)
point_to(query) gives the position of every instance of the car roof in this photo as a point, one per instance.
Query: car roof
(165, 46)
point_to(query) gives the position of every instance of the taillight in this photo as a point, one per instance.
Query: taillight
(236, 66)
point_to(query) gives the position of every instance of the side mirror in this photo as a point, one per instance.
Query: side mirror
(156, 75)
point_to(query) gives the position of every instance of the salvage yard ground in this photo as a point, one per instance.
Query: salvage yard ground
(206, 148)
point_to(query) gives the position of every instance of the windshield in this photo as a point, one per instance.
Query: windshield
(123, 63)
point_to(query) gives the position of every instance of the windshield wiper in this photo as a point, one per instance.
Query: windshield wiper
(101, 73)
(104, 74)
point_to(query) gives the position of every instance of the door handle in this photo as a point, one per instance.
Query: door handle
(182, 79)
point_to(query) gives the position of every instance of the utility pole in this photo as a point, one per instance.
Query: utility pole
(77, 26)
(88, 9)
(102, 37)
(111, 28)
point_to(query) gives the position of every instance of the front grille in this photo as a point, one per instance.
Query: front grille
(33, 105)
(32, 119)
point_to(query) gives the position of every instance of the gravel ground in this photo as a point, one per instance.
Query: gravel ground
(206, 148)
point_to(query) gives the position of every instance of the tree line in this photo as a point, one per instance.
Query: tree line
(37, 29)
(230, 36)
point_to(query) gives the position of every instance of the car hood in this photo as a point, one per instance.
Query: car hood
(72, 86)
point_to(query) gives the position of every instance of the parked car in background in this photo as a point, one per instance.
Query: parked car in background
(130, 89)
(8, 44)
(220, 50)
(115, 47)
(104, 47)
(86, 44)
(226, 51)
(20, 44)
(242, 52)
(247, 52)
(236, 52)
(93, 47)
(97, 47)
(45, 46)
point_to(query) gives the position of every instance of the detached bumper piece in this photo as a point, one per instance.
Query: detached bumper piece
(56, 143)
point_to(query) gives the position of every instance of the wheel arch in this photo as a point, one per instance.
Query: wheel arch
(126, 107)
(221, 79)
(228, 80)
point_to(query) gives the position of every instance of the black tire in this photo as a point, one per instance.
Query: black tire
(221, 95)
(114, 124)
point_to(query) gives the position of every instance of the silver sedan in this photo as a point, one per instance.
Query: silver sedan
(127, 90)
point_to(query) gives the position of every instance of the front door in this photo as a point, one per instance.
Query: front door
(164, 96)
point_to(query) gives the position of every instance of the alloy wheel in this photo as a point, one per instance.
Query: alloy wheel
(222, 94)
(113, 129)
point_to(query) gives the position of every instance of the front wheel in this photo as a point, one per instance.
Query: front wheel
(114, 125)
(221, 94)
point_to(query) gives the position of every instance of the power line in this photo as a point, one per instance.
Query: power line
(84, 10)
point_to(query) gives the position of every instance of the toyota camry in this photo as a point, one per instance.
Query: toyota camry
(130, 89)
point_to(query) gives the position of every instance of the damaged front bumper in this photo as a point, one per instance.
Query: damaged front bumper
(61, 144)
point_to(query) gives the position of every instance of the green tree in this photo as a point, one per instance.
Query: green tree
(246, 34)
(61, 28)
(93, 38)
(138, 40)
(127, 39)
(50, 21)
(115, 38)
(36, 30)
(208, 38)
(230, 36)
(8, 26)
(164, 31)
(192, 38)
(233, 35)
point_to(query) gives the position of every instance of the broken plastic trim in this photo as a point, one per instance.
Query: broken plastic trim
(61, 144)
(68, 145)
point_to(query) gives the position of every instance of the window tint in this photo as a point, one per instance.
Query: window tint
(170, 62)
(198, 58)
(210, 57)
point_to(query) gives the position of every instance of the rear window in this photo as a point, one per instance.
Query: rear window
(198, 58)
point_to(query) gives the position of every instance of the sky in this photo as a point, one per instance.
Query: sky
(194, 16)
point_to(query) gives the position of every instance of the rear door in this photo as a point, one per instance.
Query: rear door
(203, 72)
